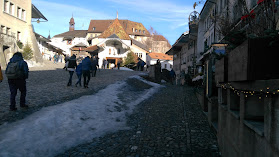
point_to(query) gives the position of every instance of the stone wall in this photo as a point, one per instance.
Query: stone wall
(251, 130)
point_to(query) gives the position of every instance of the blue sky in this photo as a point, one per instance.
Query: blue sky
(167, 17)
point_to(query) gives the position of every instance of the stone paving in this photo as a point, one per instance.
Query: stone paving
(171, 123)
(46, 86)
(168, 124)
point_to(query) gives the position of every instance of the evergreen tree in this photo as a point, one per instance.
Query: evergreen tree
(131, 58)
(27, 52)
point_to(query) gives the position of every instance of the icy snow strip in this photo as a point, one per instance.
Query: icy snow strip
(123, 68)
(55, 129)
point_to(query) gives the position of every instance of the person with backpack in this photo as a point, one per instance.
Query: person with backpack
(86, 67)
(71, 68)
(17, 73)
(1, 75)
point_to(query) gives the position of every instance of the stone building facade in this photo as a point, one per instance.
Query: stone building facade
(16, 26)
(239, 94)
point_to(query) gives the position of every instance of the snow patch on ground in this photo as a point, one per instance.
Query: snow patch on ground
(55, 129)
(123, 68)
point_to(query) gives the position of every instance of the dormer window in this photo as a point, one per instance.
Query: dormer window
(139, 31)
(94, 28)
(143, 31)
(136, 30)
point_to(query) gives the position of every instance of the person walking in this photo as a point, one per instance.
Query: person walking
(1, 75)
(172, 76)
(71, 68)
(55, 58)
(158, 71)
(66, 59)
(79, 73)
(97, 58)
(17, 72)
(86, 67)
(104, 63)
(142, 65)
(94, 66)
(118, 63)
(138, 64)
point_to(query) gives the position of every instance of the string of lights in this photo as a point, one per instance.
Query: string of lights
(263, 92)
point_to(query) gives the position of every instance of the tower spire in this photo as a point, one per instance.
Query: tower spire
(48, 35)
(72, 24)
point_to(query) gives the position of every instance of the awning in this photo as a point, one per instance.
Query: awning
(36, 14)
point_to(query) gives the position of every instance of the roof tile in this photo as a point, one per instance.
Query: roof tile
(117, 29)
(161, 56)
(102, 25)
(75, 33)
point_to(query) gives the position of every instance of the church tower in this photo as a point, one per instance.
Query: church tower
(48, 35)
(72, 24)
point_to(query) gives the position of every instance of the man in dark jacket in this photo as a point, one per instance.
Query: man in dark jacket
(94, 66)
(71, 68)
(18, 83)
(172, 75)
(86, 67)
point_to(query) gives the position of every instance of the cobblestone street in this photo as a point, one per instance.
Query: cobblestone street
(170, 123)
(47, 86)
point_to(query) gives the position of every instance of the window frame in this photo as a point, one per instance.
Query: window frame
(6, 6)
(11, 8)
